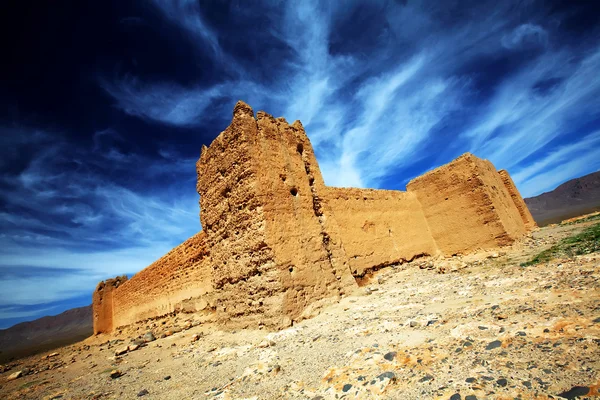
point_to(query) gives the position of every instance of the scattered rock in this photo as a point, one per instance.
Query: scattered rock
(115, 373)
(15, 375)
(133, 347)
(121, 351)
(413, 324)
(387, 375)
(575, 391)
(493, 345)
(390, 356)
(142, 392)
(166, 378)
(195, 337)
(266, 343)
(502, 382)
(149, 337)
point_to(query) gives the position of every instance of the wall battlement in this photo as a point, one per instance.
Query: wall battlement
(276, 241)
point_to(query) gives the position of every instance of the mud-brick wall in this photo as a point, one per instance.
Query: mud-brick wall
(232, 214)
(299, 224)
(180, 280)
(102, 304)
(517, 199)
(467, 206)
(381, 227)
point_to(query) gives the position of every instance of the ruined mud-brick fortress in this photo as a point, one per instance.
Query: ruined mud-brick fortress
(276, 242)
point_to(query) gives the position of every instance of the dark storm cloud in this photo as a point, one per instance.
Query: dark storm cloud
(108, 105)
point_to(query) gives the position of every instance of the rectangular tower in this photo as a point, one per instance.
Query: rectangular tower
(266, 222)
(467, 206)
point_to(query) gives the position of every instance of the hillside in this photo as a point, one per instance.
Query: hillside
(45, 333)
(575, 197)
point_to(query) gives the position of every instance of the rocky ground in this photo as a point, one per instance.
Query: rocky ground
(473, 327)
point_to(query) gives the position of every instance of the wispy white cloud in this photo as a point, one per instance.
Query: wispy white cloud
(370, 118)
(520, 120)
(62, 212)
(414, 87)
(525, 35)
(187, 14)
(17, 312)
(559, 165)
(175, 105)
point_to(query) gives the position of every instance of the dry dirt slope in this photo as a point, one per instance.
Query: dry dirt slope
(45, 333)
(476, 327)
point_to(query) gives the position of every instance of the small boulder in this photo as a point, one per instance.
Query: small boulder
(266, 343)
(121, 351)
(195, 337)
(15, 375)
(149, 337)
(133, 347)
(115, 373)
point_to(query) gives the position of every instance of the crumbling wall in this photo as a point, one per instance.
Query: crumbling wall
(271, 251)
(517, 199)
(299, 227)
(102, 304)
(503, 203)
(179, 280)
(243, 271)
(381, 227)
(467, 206)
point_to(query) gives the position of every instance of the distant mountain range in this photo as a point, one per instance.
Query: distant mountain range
(573, 198)
(45, 333)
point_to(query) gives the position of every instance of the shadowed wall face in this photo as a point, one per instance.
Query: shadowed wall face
(517, 199)
(102, 304)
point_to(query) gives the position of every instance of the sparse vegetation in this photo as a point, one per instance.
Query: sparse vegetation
(29, 384)
(586, 242)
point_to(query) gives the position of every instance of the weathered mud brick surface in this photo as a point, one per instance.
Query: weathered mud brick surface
(276, 242)
(467, 206)
(517, 199)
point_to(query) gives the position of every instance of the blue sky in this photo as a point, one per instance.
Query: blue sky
(107, 105)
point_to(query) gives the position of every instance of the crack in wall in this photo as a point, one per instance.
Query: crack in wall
(318, 210)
